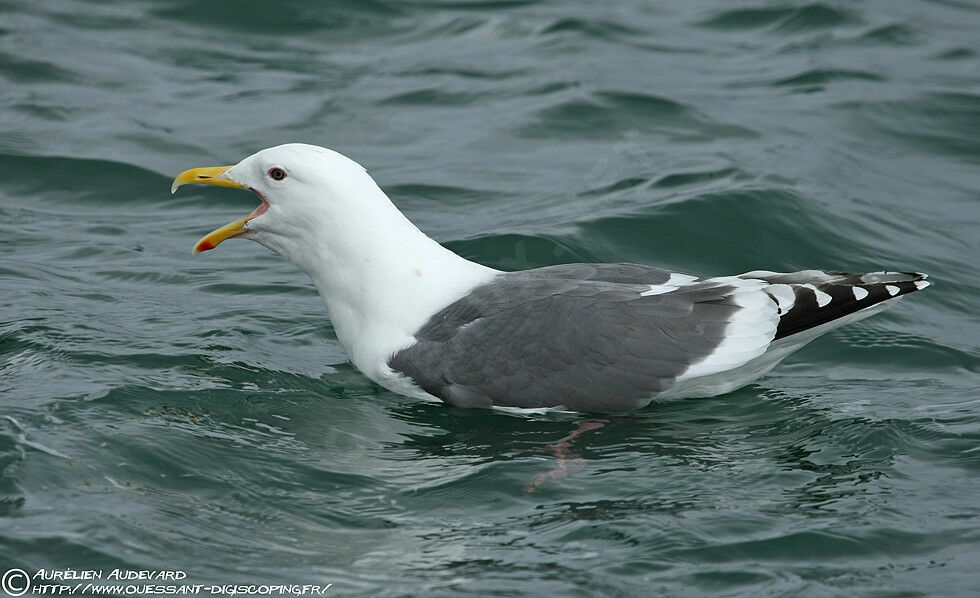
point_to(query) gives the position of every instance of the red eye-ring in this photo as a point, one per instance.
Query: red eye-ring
(277, 174)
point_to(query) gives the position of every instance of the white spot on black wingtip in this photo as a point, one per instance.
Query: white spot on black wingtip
(783, 295)
(821, 297)
(859, 292)
(892, 289)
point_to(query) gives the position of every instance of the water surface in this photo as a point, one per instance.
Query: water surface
(159, 410)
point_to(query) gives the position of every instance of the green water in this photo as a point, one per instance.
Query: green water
(165, 411)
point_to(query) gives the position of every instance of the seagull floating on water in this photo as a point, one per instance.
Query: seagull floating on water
(424, 322)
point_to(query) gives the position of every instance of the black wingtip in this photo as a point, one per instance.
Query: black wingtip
(819, 301)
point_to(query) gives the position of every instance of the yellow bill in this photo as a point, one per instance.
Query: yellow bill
(213, 175)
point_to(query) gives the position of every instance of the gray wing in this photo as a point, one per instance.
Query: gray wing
(621, 273)
(589, 337)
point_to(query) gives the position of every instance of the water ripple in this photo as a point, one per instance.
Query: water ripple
(781, 19)
(167, 411)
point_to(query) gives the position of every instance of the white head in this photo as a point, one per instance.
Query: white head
(310, 197)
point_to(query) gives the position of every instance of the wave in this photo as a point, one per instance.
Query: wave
(618, 114)
(809, 17)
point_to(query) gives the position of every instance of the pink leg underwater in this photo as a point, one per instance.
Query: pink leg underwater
(567, 462)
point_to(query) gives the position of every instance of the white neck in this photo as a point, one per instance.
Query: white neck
(380, 276)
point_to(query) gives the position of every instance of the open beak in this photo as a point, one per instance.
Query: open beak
(215, 175)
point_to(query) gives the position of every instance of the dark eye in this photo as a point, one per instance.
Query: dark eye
(277, 174)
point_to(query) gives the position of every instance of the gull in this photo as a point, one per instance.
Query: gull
(424, 322)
